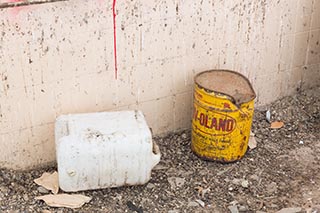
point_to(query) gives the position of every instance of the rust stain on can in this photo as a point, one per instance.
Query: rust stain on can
(222, 117)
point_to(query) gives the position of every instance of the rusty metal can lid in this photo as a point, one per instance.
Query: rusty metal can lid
(226, 82)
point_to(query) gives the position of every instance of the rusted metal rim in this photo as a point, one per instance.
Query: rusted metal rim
(221, 93)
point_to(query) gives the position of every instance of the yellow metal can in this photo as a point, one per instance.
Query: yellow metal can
(222, 117)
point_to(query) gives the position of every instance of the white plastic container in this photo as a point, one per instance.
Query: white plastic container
(101, 150)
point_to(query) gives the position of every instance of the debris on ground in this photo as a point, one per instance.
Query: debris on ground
(276, 125)
(281, 173)
(252, 141)
(245, 184)
(193, 204)
(65, 200)
(233, 209)
(202, 191)
(176, 182)
(49, 182)
(268, 116)
(201, 203)
(290, 210)
(134, 208)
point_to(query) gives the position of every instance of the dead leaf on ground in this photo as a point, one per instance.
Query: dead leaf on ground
(276, 125)
(252, 141)
(49, 181)
(65, 200)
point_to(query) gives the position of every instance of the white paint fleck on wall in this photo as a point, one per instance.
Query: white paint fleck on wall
(58, 58)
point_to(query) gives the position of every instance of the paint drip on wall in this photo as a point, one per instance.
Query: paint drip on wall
(115, 39)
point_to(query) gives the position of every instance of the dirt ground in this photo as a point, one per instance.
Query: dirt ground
(282, 172)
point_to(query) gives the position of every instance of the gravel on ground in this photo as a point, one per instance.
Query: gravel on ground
(281, 173)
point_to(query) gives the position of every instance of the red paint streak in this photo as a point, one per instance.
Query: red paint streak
(16, 10)
(115, 39)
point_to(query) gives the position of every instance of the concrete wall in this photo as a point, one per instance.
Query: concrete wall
(58, 58)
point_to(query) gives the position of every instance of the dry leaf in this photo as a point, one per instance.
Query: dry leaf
(65, 200)
(49, 181)
(276, 125)
(252, 141)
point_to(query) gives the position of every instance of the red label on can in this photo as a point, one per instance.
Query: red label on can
(215, 123)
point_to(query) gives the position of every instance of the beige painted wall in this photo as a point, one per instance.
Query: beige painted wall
(57, 58)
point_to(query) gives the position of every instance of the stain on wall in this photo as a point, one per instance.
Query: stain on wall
(58, 58)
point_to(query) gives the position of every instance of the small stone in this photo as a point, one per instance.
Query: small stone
(173, 211)
(150, 186)
(233, 209)
(290, 210)
(245, 184)
(301, 142)
(25, 197)
(180, 182)
(254, 177)
(236, 181)
(233, 203)
(243, 209)
(184, 136)
(42, 190)
(176, 182)
(202, 204)
(252, 141)
(192, 204)
(271, 188)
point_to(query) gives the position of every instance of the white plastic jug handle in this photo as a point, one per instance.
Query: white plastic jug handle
(155, 154)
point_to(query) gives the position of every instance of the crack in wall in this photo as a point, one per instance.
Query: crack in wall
(26, 3)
